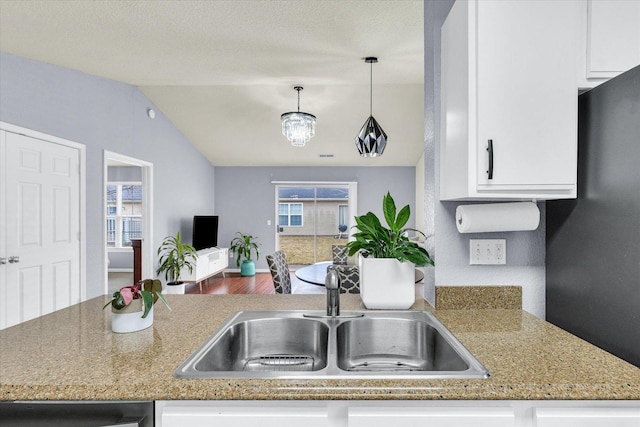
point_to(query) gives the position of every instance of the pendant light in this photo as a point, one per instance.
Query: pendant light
(299, 127)
(371, 139)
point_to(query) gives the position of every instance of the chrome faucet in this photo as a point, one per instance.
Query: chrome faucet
(332, 283)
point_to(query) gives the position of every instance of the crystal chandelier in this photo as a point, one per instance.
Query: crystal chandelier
(371, 139)
(299, 127)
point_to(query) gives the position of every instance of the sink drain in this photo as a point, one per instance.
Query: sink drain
(279, 363)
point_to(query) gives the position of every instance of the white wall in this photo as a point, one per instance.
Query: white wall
(525, 250)
(105, 114)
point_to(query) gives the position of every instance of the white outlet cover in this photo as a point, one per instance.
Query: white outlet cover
(487, 251)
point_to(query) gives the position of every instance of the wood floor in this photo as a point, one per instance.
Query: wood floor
(261, 283)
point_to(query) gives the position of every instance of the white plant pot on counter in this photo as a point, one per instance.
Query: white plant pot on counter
(387, 284)
(129, 319)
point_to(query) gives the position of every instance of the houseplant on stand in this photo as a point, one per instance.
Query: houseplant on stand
(387, 257)
(241, 246)
(132, 306)
(174, 255)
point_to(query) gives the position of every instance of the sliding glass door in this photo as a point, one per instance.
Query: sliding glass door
(311, 218)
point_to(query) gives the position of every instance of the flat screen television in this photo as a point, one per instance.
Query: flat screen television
(205, 231)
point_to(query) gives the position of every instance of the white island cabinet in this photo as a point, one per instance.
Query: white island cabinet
(240, 414)
(509, 92)
(498, 413)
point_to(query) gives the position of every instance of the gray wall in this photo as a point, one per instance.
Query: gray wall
(104, 114)
(245, 196)
(525, 250)
(593, 243)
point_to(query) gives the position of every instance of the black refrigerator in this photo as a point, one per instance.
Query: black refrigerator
(593, 242)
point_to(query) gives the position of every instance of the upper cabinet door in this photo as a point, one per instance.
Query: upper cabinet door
(612, 38)
(508, 76)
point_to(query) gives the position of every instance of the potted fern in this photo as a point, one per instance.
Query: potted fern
(241, 246)
(174, 256)
(387, 258)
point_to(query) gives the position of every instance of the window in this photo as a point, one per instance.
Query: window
(124, 214)
(290, 214)
(343, 215)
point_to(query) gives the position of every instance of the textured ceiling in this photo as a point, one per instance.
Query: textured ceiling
(224, 71)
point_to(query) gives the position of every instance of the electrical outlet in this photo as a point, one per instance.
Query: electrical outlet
(487, 251)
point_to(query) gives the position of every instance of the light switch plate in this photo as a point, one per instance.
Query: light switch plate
(487, 251)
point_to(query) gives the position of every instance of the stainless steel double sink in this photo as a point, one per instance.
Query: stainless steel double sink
(307, 344)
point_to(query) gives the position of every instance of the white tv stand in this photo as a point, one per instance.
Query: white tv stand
(211, 261)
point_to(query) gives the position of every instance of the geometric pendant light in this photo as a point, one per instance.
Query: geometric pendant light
(371, 139)
(299, 127)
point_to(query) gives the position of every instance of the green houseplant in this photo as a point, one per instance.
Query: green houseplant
(387, 258)
(241, 246)
(377, 241)
(132, 306)
(174, 256)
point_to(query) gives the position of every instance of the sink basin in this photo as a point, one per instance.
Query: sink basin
(395, 345)
(307, 344)
(268, 344)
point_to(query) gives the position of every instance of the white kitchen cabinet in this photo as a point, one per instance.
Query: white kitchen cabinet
(210, 261)
(432, 417)
(223, 414)
(398, 413)
(508, 75)
(610, 36)
(587, 417)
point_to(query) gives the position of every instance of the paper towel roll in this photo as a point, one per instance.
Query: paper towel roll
(486, 218)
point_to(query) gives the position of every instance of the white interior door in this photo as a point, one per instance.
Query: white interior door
(42, 225)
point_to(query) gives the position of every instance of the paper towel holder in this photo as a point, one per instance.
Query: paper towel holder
(497, 217)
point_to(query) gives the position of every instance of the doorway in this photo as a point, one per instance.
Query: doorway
(127, 214)
(311, 217)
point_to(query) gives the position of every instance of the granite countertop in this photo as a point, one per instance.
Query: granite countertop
(73, 355)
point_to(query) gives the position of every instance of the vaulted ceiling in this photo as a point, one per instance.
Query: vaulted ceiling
(223, 71)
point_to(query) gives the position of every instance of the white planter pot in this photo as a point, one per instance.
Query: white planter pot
(129, 319)
(174, 289)
(387, 283)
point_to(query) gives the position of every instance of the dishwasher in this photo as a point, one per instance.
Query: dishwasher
(76, 413)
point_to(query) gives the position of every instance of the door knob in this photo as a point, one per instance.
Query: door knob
(3, 261)
(14, 259)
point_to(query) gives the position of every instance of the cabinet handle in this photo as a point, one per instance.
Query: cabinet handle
(3, 261)
(490, 150)
(14, 259)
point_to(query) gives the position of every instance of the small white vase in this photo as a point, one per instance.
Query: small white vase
(129, 319)
(387, 284)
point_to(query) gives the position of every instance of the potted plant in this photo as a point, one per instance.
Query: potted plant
(387, 257)
(132, 306)
(174, 256)
(241, 246)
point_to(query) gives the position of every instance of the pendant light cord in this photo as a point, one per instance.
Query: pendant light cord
(371, 89)
(298, 100)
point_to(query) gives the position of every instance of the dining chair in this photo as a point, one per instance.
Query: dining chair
(349, 275)
(280, 272)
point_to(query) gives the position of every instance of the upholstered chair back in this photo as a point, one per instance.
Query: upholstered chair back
(280, 272)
